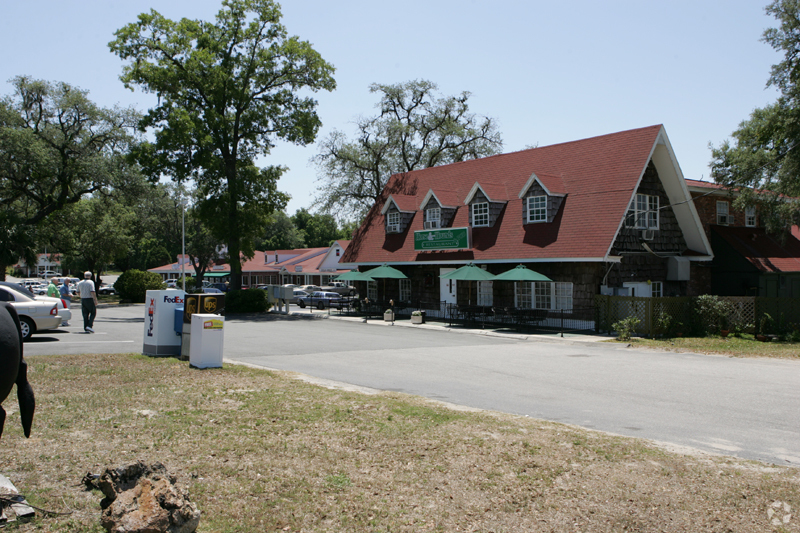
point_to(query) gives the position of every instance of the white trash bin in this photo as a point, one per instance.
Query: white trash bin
(208, 333)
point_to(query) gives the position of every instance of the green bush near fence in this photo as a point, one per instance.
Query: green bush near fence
(246, 301)
(133, 285)
(625, 327)
(702, 315)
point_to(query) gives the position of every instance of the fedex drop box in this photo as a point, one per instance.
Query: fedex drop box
(160, 337)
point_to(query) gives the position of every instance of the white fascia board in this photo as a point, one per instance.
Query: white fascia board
(428, 197)
(390, 201)
(474, 190)
(672, 179)
(530, 181)
(516, 261)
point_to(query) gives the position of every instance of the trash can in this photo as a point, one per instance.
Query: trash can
(208, 333)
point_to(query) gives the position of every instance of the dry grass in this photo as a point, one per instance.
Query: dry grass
(744, 346)
(261, 451)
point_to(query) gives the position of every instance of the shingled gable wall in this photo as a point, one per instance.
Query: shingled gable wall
(494, 207)
(637, 264)
(553, 202)
(446, 214)
(405, 218)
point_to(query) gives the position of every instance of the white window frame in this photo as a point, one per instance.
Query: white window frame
(656, 289)
(537, 209)
(372, 290)
(723, 210)
(485, 293)
(750, 217)
(523, 295)
(433, 218)
(542, 295)
(643, 212)
(553, 295)
(480, 213)
(393, 222)
(405, 290)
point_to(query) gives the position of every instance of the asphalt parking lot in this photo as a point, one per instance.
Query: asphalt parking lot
(732, 406)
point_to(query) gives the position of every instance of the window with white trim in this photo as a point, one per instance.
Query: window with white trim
(542, 295)
(750, 217)
(372, 290)
(643, 212)
(556, 295)
(480, 214)
(433, 218)
(485, 293)
(656, 289)
(537, 208)
(722, 213)
(393, 222)
(522, 294)
(405, 290)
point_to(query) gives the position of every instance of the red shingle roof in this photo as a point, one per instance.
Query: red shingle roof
(761, 250)
(599, 175)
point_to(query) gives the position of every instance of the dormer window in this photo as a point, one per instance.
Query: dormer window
(480, 214)
(537, 208)
(393, 222)
(643, 212)
(433, 218)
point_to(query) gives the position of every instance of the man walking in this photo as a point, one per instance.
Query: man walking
(65, 295)
(88, 301)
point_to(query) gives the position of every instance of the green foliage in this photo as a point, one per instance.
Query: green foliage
(415, 128)
(227, 91)
(767, 325)
(246, 301)
(712, 313)
(133, 285)
(626, 327)
(281, 234)
(763, 153)
(56, 147)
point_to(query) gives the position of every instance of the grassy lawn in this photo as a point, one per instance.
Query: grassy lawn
(262, 451)
(744, 346)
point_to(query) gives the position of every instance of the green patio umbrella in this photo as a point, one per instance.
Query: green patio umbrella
(521, 273)
(469, 272)
(353, 275)
(386, 272)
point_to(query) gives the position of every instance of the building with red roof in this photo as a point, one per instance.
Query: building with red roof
(605, 214)
(748, 261)
(304, 266)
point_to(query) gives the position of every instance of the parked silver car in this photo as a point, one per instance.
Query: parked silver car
(63, 311)
(34, 315)
(320, 300)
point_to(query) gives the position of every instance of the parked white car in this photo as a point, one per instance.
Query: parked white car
(61, 306)
(34, 315)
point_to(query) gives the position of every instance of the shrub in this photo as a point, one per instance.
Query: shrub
(625, 327)
(767, 325)
(246, 301)
(133, 285)
(712, 313)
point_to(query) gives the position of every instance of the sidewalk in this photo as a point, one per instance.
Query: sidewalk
(489, 331)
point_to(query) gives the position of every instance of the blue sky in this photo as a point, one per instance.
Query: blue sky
(548, 72)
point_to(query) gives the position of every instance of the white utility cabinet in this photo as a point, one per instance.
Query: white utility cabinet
(160, 337)
(208, 334)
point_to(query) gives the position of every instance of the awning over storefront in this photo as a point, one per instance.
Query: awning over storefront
(216, 274)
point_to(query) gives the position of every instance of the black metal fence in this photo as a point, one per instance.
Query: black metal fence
(576, 320)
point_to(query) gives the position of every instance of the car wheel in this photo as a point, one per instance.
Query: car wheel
(320, 305)
(352, 293)
(27, 326)
(302, 304)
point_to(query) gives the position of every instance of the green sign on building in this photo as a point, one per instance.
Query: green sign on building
(441, 239)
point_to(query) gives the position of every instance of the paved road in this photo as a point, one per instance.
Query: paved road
(743, 407)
